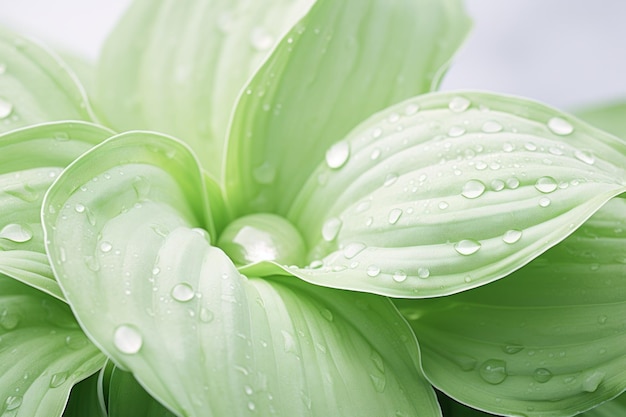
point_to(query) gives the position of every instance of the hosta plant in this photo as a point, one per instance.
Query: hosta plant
(261, 208)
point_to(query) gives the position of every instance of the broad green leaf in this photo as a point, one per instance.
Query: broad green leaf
(43, 352)
(36, 86)
(341, 63)
(611, 117)
(548, 340)
(178, 66)
(128, 399)
(84, 399)
(30, 160)
(201, 338)
(449, 191)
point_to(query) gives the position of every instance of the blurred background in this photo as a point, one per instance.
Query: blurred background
(567, 53)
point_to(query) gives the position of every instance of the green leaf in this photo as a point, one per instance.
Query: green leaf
(610, 117)
(178, 66)
(43, 352)
(30, 160)
(128, 399)
(340, 64)
(36, 86)
(200, 337)
(459, 193)
(84, 399)
(548, 340)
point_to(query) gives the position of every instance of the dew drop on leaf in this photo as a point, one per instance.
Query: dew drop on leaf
(399, 276)
(411, 109)
(261, 39)
(493, 371)
(390, 179)
(330, 229)
(467, 247)
(9, 320)
(423, 272)
(456, 131)
(58, 379)
(459, 104)
(265, 173)
(546, 185)
(289, 343)
(206, 315)
(560, 126)
(491, 126)
(338, 154)
(105, 246)
(544, 202)
(473, 189)
(16, 233)
(13, 402)
(585, 157)
(512, 236)
(353, 249)
(512, 183)
(127, 339)
(512, 348)
(79, 208)
(542, 375)
(182, 292)
(394, 215)
(373, 270)
(6, 108)
(592, 381)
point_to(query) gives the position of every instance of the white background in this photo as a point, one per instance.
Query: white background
(567, 53)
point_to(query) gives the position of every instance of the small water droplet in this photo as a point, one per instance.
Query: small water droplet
(363, 206)
(467, 247)
(376, 133)
(546, 185)
(206, 315)
(512, 348)
(443, 205)
(456, 131)
(182, 292)
(512, 236)
(393, 117)
(9, 320)
(105, 246)
(544, 202)
(6, 108)
(508, 147)
(261, 39)
(251, 406)
(16, 233)
(491, 126)
(585, 157)
(394, 215)
(399, 276)
(530, 146)
(338, 154)
(289, 342)
(58, 379)
(390, 179)
(512, 183)
(375, 154)
(265, 173)
(353, 249)
(13, 402)
(560, 126)
(79, 208)
(497, 185)
(331, 228)
(459, 104)
(602, 319)
(127, 339)
(373, 270)
(473, 189)
(423, 272)
(493, 371)
(542, 375)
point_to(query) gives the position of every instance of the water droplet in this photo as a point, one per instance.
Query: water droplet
(261, 39)
(353, 249)
(289, 343)
(13, 402)
(127, 339)
(363, 206)
(6, 108)
(327, 314)
(467, 247)
(80, 208)
(512, 236)
(16, 233)
(251, 406)
(497, 185)
(512, 183)
(265, 173)
(399, 276)
(394, 215)
(544, 202)
(491, 126)
(75, 342)
(585, 157)
(508, 147)
(542, 375)
(459, 104)
(443, 205)
(473, 189)
(602, 319)
(375, 154)
(373, 270)
(546, 185)
(206, 315)
(592, 381)
(379, 382)
(456, 131)
(377, 132)
(141, 185)
(493, 371)
(58, 379)
(330, 229)
(9, 320)
(512, 348)
(529, 146)
(390, 179)
(393, 117)
(182, 292)
(411, 109)
(3, 68)
(105, 246)
(423, 272)
(338, 154)
(560, 126)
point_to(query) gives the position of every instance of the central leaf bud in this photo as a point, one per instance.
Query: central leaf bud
(263, 237)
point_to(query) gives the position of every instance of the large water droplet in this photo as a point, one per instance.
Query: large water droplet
(423, 272)
(493, 371)
(353, 249)
(9, 320)
(459, 104)
(58, 379)
(127, 339)
(330, 229)
(491, 126)
(546, 185)
(182, 292)
(373, 270)
(399, 276)
(394, 215)
(261, 39)
(6, 108)
(16, 233)
(13, 402)
(585, 157)
(592, 381)
(560, 126)
(467, 247)
(542, 375)
(338, 154)
(473, 189)
(512, 236)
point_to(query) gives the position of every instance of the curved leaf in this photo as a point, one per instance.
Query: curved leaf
(43, 352)
(30, 160)
(450, 191)
(148, 287)
(611, 117)
(177, 67)
(548, 340)
(128, 399)
(84, 399)
(340, 64)
(36, 86)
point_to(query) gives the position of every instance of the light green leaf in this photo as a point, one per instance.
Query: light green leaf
(611, 117)
(84, 399)
(152, 292)
(30, 160)
(43, 352)
(128, 399)
(36, 86)
(178, 66)
(459, 193)
(343, 62)
(548, 340)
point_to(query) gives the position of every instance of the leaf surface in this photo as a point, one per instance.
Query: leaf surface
(610, 117)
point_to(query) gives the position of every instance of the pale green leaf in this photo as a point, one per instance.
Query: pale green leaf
(30, 160)
(459, 193)
(128, 399)
(548, 340)
(36, 86)
(200, 337)
(610, 117)
(84, 399)
(340, 64)
(178, 66)
(43, 352)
